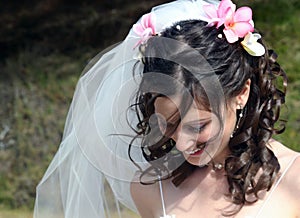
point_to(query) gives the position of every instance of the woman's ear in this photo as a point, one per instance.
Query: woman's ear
(242, 98)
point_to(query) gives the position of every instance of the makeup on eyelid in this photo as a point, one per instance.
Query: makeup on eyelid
(193, 127)
(197, 127)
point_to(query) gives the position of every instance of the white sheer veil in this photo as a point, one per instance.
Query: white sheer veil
(94, 150)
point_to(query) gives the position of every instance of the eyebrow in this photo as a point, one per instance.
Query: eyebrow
(197, 121)
(192, 122)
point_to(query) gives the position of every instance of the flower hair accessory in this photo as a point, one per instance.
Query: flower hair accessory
(251, 45)
(145, 29)
(237, 24)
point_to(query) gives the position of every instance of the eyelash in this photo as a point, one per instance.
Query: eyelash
(197, 129)
(192, 129)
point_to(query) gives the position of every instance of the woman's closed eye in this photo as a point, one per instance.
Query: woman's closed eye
(198, 128)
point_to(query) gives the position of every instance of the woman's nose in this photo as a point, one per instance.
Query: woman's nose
(183, 141)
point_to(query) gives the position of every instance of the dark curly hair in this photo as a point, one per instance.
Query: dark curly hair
(232, 66)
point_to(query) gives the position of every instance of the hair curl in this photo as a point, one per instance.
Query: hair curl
(233, 66)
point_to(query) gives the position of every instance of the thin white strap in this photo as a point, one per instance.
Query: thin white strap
(275, 186)
(162, 196)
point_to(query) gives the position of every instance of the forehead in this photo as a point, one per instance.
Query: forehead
(168, 107)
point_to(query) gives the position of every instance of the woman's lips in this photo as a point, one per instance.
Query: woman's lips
(196, 152)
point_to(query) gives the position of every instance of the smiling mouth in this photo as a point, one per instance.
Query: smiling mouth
(196, 151)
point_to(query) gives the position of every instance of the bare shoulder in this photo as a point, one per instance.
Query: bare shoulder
(292, 179)
(145, 198)
(282, 152)
(289, 159)
(290, 168)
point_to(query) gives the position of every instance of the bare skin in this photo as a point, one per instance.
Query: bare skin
(203, 194)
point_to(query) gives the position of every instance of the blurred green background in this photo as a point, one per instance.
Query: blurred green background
(44, 47)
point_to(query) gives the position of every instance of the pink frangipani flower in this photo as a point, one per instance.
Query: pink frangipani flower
(218, 16)
(145, 28)
(237, 23)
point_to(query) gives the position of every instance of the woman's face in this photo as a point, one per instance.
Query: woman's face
(197, 127)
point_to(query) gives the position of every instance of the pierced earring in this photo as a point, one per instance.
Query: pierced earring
(238, 121)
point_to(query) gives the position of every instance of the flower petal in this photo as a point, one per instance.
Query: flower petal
(248, 38)
(147, 32)
(138, 29)
(214, 22)
(256, 36)
(224, 7)
(251, 45)
(147, 21)
(243, 14)
(242, 28)
(145, 28)
(230, 35)
(150, 22)
(255, 49)
(153, 23)
(227, 17)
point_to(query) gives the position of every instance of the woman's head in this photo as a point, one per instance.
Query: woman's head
(193, 86)
(192, 66)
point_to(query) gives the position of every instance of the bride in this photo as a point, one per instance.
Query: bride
(177, 120)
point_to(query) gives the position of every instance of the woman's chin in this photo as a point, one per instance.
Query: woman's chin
(198, 159)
